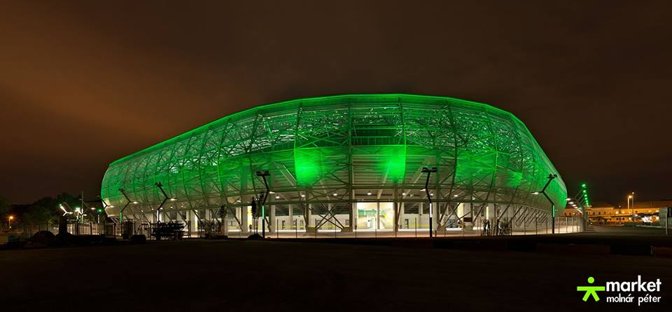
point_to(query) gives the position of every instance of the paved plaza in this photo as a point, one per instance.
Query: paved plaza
(248, 275)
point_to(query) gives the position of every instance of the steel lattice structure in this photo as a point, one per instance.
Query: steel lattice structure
(326, 155)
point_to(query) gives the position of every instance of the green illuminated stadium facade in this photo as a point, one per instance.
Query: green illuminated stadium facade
(342, 164)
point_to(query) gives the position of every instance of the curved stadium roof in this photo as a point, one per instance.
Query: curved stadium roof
(335, 148)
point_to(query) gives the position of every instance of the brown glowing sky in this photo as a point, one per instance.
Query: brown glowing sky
(84, 83)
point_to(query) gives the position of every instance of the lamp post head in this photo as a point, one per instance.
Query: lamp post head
(263, 173)
(426, 169)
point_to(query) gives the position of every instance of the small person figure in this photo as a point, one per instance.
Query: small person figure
(590, 291)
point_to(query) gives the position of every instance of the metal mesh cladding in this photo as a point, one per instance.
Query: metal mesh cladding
(342, 149)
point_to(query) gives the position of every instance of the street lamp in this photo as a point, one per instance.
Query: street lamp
(429, 197)
(65, 212)
(631, 207)
(543, 191)
(263, 174)
(165, 199)
(10, 218)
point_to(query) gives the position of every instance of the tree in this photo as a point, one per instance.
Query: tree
(4, 206)
(46, 209)
(39, 214)
(4, 210)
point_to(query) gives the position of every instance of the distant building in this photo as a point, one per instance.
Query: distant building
(645, 212)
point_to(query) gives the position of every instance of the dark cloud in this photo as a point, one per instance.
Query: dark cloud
(83, 83)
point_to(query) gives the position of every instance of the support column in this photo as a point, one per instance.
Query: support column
(353, 216)
(271, 221)
(435, 217)
(207, 218)
(421, 208)
(377, 226)
(165, 217)
(492, 218)
(402, 212)
(225, 223)
(194, 220)
(244, 228)
(189, 223)
(397, 211)
(329, 212)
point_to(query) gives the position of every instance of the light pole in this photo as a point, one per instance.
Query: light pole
(165, 199)
(9, 221)
(79, 216)
(543, 191)
(263, 174)
(121, 211)
(93, 209)
(429, 197)
(631, 205)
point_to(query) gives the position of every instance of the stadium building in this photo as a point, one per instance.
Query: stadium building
(343, 165)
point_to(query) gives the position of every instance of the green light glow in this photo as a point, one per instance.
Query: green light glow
(343, 144)
(475, 166)
(309, 163)
(392, 162)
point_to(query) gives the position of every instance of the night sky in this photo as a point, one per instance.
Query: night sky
(84, 83)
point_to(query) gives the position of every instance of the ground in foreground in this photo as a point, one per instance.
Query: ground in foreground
(275, 275)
